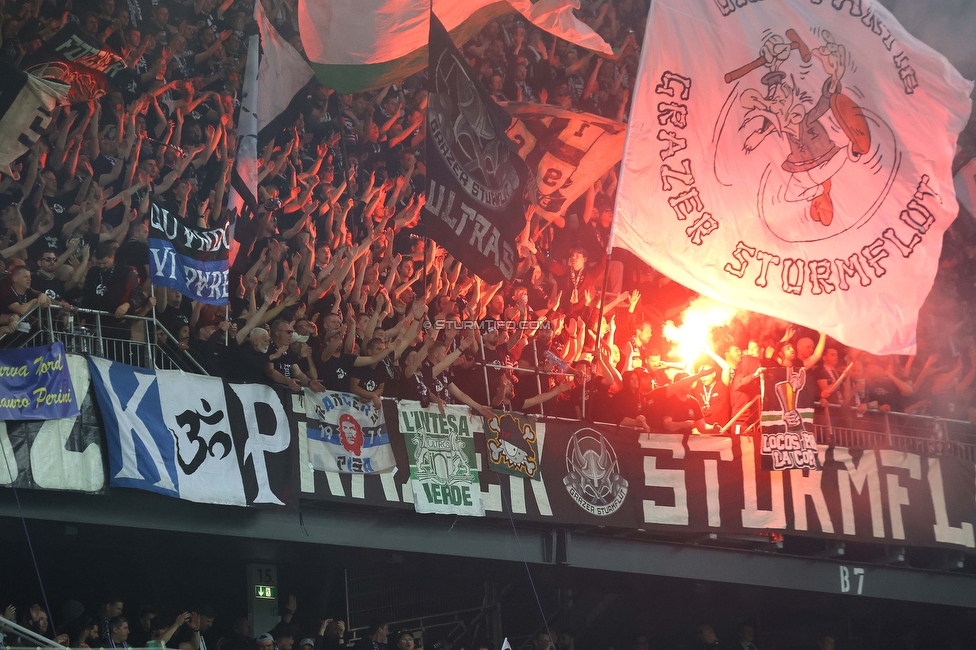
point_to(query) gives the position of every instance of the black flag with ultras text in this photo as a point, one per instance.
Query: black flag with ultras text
(475, 177)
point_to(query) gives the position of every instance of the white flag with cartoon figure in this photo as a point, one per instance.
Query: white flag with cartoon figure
(794, 158)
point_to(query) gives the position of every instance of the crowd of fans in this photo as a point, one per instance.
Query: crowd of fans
(334, 285)
(109, 627)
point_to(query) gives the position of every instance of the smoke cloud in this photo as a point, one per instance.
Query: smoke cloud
(947, 26)
(942, 24)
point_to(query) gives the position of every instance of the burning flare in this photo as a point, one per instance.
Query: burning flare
(691, 339)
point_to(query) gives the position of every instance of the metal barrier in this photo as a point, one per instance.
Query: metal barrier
(846, 427)
(860, 439)
(146, 343)
(528, 374)
(135, 340)
(10, 627)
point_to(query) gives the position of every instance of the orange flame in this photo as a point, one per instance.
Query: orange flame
(691, 338)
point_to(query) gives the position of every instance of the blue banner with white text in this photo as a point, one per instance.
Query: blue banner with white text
(194, 261)
(35, 384)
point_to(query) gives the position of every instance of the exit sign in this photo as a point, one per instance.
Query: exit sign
(267, 592)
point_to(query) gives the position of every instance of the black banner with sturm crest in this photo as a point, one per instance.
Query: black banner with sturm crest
(241, 444)
(475, 177)
(604, 476)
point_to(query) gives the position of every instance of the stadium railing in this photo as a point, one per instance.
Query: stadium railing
(144, 342)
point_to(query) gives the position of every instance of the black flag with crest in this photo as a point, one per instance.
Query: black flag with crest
(475, 177)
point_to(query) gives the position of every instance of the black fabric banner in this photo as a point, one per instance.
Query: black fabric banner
(475, 177)
(265, 436)
(194, 261)
(202, 245)
(602, 476)
(590, 475)
(79, 59)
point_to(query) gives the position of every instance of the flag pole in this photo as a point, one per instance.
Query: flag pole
(603, 299)
(430, 22)
(151, 332)
(616, 204)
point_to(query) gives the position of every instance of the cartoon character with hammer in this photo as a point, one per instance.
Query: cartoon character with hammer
(789, 112)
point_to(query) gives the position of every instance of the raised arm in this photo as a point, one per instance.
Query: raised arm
(257, 317)
(817, 353)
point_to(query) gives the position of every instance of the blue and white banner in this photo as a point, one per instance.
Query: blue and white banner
(193, 261)
(196, 438)
(347, 436)
(35, 384)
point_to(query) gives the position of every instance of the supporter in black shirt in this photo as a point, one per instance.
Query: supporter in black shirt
(882, 387)
(629, 408)
(428, 375)
(247, 360)
(469, 377)
(712, 395)
(246, 357)
(570, 404)
(335, 369)
(534, 353)
(413, 381)
(110, 287)
(283, 364)
(135, 251)
(504, 397)
(496, 351)
(368, 381)
(827, 375)
(47, 282)
(682, 412)
(175, 311)
(436, 370)
(207, 346)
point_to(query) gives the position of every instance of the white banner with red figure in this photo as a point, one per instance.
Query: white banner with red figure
(794, 158)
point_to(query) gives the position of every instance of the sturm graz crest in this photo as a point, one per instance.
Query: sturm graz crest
(593, 476)
(466, 136)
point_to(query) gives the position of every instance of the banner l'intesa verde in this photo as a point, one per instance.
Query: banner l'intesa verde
(443, 463)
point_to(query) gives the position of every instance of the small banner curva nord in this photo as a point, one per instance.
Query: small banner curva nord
(58, 454)
(35, 384)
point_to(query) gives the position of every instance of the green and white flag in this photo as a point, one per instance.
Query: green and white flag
(357, 45)
(443, 464)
